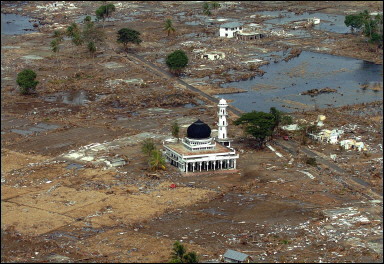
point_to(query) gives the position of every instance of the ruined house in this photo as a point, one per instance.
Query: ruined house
(213, 55)
(314, 20)
(328, 136)
(252, 32)
(352, 144)
(250, 35)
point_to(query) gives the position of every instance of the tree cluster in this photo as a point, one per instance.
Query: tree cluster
(105, 11)
(156, 160)
(207, 6)
(180, 254)
(261, 126)
(372, 27)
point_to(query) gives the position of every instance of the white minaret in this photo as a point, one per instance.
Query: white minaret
(222, 133)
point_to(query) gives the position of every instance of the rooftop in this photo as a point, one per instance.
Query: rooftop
(180, 148)
(235, 255)
(231, 25)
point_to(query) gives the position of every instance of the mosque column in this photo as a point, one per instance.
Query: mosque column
(234, 163)
(193, 166)
(221, 164)
(214, 165)
(227, 164)
(186, 167)
(207, 164)
(200, 166)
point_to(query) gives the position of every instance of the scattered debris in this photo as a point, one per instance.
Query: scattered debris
(314, 92)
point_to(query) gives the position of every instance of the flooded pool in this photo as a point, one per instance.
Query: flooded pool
(12, 24)
(309, 71)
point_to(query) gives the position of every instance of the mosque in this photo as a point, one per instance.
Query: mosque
(199, 151)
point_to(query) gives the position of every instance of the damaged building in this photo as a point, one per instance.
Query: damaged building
(199, 151)
(213, 55)
(230, 29)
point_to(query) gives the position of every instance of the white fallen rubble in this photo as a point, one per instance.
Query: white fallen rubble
(96, 152)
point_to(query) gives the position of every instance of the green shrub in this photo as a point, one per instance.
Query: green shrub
(26, 81)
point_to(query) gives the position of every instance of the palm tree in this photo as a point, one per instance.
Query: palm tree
(180, 255)
(215, 5)
(157, 161)
(73, 31)
(147, 145)
(178, 251)
(110, 8)
(169, 27)
(58, 35)
(55, 47)
(175, 130)
(206, 9)
(92, 48)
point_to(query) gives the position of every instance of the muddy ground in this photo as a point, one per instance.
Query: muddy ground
(276, 209)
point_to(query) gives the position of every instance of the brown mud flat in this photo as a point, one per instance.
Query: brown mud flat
(269, 208)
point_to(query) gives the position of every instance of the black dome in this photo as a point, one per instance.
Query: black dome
(198, 130)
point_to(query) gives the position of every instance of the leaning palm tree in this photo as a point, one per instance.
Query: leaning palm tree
(169, 27)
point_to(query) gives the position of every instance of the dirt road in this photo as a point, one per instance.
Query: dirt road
(168, 76)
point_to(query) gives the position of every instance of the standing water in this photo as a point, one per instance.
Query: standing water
(12, 24)
(355, 81)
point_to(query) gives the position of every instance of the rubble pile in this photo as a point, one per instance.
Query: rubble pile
(314, 92)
